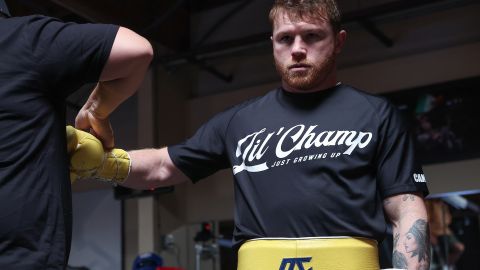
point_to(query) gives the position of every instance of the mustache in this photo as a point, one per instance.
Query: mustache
(300, 64)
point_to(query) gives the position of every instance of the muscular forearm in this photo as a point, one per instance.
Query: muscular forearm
(152, 168)
(107, 95)
(103, 100)
(411, 248)
(120, 78)
(123, 73)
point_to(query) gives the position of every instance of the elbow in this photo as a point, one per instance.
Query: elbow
(131, 52)
(146, 53)
(143, 55)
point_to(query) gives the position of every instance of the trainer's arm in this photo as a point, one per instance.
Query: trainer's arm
(411, 238)
(123, 73)
(152, 168)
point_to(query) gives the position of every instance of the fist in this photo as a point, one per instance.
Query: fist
(89, 160)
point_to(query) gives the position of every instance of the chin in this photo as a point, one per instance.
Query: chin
(310, 81)
(305, 83)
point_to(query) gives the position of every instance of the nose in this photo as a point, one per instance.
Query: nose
(299, 50)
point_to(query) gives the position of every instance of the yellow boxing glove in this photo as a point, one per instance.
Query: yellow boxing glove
(89, 160)
(72, 142)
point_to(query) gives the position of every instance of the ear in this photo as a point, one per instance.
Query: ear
(340, 41)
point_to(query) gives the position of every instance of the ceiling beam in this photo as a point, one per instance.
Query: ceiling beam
(138, 16)
(363, 16)
(97, 11)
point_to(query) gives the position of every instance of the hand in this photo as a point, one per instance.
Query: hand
(98, 126)
(89, 160)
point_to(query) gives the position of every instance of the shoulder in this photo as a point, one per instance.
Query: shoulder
(250, 104)
(46, 25)
(34, 21)
(381, 106)
(246, 108)
(373, 100)
(24, 24)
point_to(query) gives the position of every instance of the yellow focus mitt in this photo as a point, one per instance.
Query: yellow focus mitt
(89, 160)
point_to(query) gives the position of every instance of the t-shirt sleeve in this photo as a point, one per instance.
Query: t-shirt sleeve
(398, 170)
(204, 153)
(70, 54)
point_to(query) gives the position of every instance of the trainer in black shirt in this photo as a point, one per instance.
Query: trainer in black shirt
(42, 61)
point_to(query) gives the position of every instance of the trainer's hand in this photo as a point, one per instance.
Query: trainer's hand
(89, 159)
(98, 125)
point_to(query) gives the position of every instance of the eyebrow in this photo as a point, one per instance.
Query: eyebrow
(312, 29)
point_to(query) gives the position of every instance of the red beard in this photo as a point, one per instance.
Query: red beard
(307, 79)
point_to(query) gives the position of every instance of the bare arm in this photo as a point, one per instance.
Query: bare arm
(152, 168)
(123, 73)
(411, 244)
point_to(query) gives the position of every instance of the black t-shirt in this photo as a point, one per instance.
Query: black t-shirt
(42, 61)
(307, 165)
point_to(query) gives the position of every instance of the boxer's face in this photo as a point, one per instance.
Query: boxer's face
(305, 52)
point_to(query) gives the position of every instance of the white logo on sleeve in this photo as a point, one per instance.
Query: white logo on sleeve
(419, 178)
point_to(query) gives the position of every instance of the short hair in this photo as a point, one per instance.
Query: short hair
(308, 9)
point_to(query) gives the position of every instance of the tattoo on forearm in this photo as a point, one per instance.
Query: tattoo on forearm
(415, 245)
(424, 267)
(398, 260)
(408, 197)
(395, 240)
(419, 231)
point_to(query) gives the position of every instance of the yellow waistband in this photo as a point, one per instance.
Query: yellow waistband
(316, 253)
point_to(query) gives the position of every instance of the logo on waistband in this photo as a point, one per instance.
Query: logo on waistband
(292, 262)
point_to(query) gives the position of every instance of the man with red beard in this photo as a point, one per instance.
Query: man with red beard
(318, 165)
